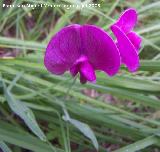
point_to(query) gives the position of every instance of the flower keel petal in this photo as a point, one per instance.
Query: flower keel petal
(87, 72)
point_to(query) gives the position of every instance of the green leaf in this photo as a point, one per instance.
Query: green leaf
(10, 134)
(84, 128)
(24, 113)
(138, 145)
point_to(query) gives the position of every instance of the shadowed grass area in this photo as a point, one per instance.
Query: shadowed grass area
(41, 112)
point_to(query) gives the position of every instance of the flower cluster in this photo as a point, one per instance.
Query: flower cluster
(85, 48)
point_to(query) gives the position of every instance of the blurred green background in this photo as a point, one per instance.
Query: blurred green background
(41, 112)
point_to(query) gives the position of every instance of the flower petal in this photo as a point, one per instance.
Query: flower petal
(127, 50)
(87, 72)
(127, 20)
(135, 39)
(100, 49)
(63, 49)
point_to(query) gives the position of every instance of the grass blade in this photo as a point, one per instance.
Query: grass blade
(4, 147)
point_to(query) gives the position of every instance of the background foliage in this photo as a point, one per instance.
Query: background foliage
(41, 112)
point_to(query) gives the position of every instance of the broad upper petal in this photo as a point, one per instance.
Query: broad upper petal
(100, 49)
(127, 20)
(63, 49)
(127, 50)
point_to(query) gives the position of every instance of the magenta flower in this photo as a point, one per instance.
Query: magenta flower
(128, 41)
(82, 49)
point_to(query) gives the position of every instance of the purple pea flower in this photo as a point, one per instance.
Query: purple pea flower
(82, 49)
(128, 41)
